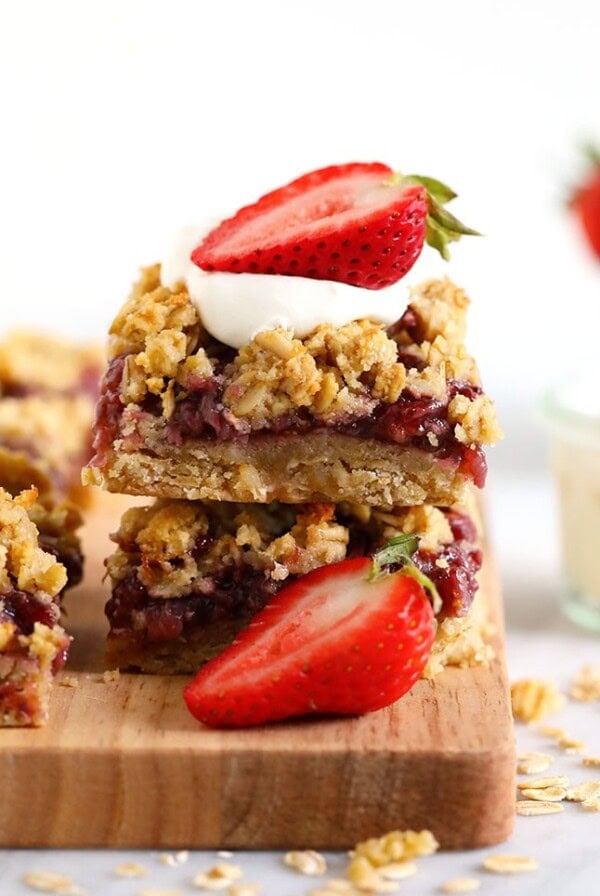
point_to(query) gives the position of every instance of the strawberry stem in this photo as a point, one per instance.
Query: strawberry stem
(441, 227)
(399, 551)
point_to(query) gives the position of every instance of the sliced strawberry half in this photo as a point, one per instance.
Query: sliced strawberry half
(357, 223)
(347, 638)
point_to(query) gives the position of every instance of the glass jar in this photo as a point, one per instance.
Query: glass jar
(572, 416)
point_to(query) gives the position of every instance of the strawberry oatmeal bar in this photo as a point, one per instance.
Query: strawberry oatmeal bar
(48, 389)
(188, 575)
(362, 412)
(308, 425)
(33, 645)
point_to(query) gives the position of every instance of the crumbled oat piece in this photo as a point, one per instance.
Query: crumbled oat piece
(183, 855)
(586, 685)
(68, 681)
(545, 794)
(367, 879)
(532, 763)
(224, 854)
(50, 882)
(533, 699)
(591, 761)
(168, 858)
(219, 877)
(571, 744)
(587, 790)
(538, 807)
(131, 869)
(306, 861)
(396, 846)
(110, 675)
(541, 783)
(592, 805)
(244, 889)
(507, 864)
(461, 885)
(474, 420)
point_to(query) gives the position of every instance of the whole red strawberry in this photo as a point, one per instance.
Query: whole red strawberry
(347, 638)
(586, 202)
(357, 223)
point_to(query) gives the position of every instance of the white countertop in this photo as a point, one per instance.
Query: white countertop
(540, 642)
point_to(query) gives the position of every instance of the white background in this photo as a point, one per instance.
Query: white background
(121, 121)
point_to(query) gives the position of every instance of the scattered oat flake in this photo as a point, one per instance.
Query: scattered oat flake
(172, 860)
(538, 807)
(397, 870)
(571, 744)
(131, 869)
(591, 761)
(541, 783)
(183, 855)
(338, 885)
(545, 794)
(588, 790)
(110, 675)
(592, 805)
(533, 699)
(224, 854)
(157, 891)
(461, 885)
(220, 877)
(244, 889)
(501, 863)
(552, 731)
(306, 861)
(586, 685)
(50, 882)
(69, 681)
(532, 763)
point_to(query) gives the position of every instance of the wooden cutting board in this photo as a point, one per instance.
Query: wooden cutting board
(123, 764)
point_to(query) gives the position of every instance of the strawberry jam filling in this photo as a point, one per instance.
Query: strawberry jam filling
(239, 591)
(412, 421)
(23, 610)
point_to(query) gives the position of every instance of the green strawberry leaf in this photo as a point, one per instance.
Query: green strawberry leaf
(399, 551)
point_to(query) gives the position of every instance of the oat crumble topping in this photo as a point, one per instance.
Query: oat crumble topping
(23, 564)
(333, 371)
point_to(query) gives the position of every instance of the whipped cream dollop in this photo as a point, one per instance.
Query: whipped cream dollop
(235, 307)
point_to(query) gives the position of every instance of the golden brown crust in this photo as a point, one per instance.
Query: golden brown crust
(333, 371)
(321, 466)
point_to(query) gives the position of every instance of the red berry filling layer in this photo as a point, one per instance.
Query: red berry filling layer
(411, 421)
(23, 610)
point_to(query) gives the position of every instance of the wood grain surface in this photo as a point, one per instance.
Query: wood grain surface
(124, 764)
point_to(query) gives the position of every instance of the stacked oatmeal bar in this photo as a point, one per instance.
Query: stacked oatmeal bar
(279, 457)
